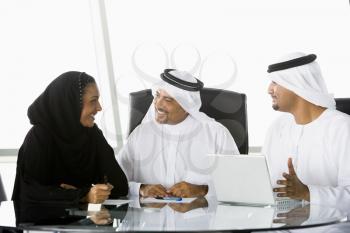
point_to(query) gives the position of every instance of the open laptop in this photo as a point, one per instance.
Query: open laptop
(245, 179)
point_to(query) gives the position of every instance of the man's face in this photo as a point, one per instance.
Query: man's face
(168, 111)
(282, 98)
(91, 105)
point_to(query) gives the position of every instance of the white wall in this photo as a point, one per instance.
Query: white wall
(40, 39)
(252, 32)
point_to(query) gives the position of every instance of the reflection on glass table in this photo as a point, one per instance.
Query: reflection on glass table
(200, 202)
(296, 216)
(227, 217)
(199, 215)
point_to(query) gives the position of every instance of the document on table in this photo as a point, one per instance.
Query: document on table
(116, 202)
(155, 200)
(94, 207)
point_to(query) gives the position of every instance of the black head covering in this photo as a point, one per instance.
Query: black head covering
(58, 110)
(59, 107)
(292, 63)
(182, 84)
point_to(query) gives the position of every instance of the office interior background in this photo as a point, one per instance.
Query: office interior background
(125, 45)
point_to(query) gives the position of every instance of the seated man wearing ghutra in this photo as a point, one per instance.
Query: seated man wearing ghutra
(166, 155)
(308, 150)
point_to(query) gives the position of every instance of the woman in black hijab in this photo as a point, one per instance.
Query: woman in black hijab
(65, 157)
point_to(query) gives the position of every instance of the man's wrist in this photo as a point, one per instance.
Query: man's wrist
(203, 190)
(141, 192)
(307, 194)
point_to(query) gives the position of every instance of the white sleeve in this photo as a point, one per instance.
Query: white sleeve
(201, 179)
(330, 196)
(125, 159)
(339, 149)
(134, 188)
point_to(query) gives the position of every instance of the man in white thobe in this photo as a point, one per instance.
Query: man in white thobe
(308, 148)
(166, 155)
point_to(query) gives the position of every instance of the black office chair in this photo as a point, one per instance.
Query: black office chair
(343, 105)
(227, 107)
(2, 192)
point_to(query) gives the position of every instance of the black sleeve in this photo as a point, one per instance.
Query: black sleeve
(110, 168)
(34, 181)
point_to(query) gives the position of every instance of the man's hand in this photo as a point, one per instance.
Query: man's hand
(293, 187)
(184, 189)
(152, 190)
(99, 193)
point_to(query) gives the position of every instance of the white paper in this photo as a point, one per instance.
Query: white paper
(94, 207)
(154, 200)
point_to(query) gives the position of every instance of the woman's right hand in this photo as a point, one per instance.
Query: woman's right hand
(99, 193)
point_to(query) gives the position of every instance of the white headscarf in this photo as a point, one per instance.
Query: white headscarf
(190, 101)
(306, 81)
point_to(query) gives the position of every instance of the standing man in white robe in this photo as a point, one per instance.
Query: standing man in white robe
(166, 155)
(308, 148)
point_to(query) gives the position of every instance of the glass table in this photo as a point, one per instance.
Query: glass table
(198, 215)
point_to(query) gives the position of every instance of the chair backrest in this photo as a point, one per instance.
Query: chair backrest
(227, 107)
(343, 105)
(2, 191)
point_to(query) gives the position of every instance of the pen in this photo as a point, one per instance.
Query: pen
(105, 179)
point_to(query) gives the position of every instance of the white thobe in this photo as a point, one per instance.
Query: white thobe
(167, 154)
(320, 151)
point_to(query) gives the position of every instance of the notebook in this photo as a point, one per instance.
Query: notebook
(245, 179)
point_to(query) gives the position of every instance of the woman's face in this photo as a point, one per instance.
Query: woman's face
(91, 105)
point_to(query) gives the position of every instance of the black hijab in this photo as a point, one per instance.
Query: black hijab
(58, 149)
(58, 110)
(59, 107)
